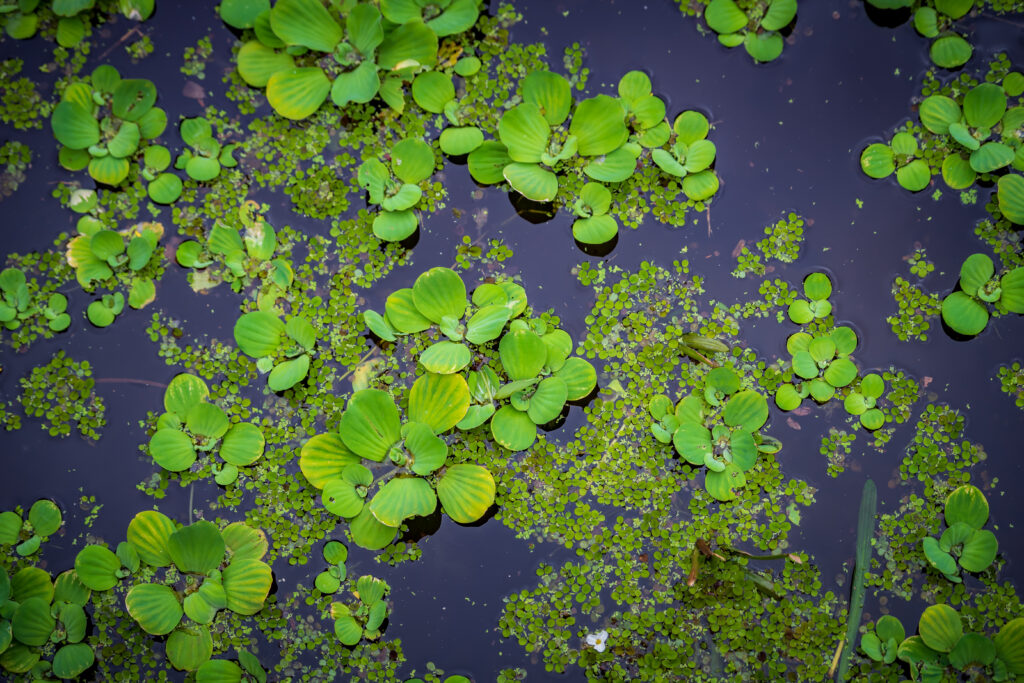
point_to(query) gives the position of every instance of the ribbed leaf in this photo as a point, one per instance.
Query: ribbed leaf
(438, 401)
(149, 532)
(466, 492)
(402, 498)
(154, 607)
(247, 583)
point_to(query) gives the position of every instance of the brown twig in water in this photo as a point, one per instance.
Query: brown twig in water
(129, 380)
(133, 29)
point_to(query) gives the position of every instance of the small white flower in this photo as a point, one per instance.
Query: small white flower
(597, 640)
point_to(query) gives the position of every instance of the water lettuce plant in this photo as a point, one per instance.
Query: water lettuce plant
(105, 310)
(718, 428)
(936, 20)
(244, 249)
(964, 544)
(17, 305)
(438, 297)
(303, 52)
(176, 579)
(817, 289)
(354, 621)
(863, 398)
(966, 311)
(105, 123)
(823, 362)
(421, 473)
(99, 254)
(44, 520)
(535, 357)
(22, 19)
(205, 156)
(757, 30)
(190, 423)
(282, 348)
(901, 156)
(535, 142)
(690, 156)
(943, 649)
(43, 617)
(593, 225)
(396, 187)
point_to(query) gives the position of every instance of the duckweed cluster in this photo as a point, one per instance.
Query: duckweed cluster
(1011, 381)
(61, 394)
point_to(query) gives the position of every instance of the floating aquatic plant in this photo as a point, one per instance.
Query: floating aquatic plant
(103, 124)
(61, 392)
(17, 304)
(282, 348)
(900, 156)
(44, 520)
(817, 289)
(822, 362)
(756, 30)
(362, 619)
(206, 157)
(535, 142)
(966, 310)
(397, 188)
(862, 401)
(42, 617)
(690, 157)
(964, 542)
(22, 19)
(190, 423)
(719, 428)
(206, 570)
(371, 51)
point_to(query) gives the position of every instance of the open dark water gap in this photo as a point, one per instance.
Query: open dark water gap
(788, 136)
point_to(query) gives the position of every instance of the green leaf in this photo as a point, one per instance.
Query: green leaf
(172, 449)
(257, 63)
(439, 293)
(97, 567)
(149, 531)
(840, 372)
(207, 420)
(459, 16)
(763, 47)
(915, 176)
(445, 357)
(991, 156)
(972, 649)
(70, 661)
(348, 630)
(286, 375)
(165, 188)
(723, 485)
(595, 230)
(967, 505)
(513, 429)
(395, 226)
(488, 161)
(324, 457)
(950, 52)
(368, 533)
(963, 314)
(258, 333)
(402, 498)
(246, 584)
(183, 393)
(1009, 644)
(45, 517)
(614, 167)
(242, 13)
(132, 98)
(984, 105)
(940, 627)
(547, 400)
(243, 444)
(154, 607)
(1011, 197)
(787, 397)
(109, 170)
(32, 623)
(522, 352)
(532, 181)
(957, 172)
(432, 90)
(401, 311)
(937, 112)
(724, 16)
(412, 160)
(457, 141)
(700, 186)
(74, 126)
(411, 44)
(188, 648)
(552, 96)
(979, 551)
(599, 125)
(370, 424)
(219, 671)
(779, 15)
(359, 85)
(126, 142)
(1012, 285)
(297, 93)
(746, 410)
(198, 548)
(306, 23)
(438, 401)
(466, 492)
(487, 323)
